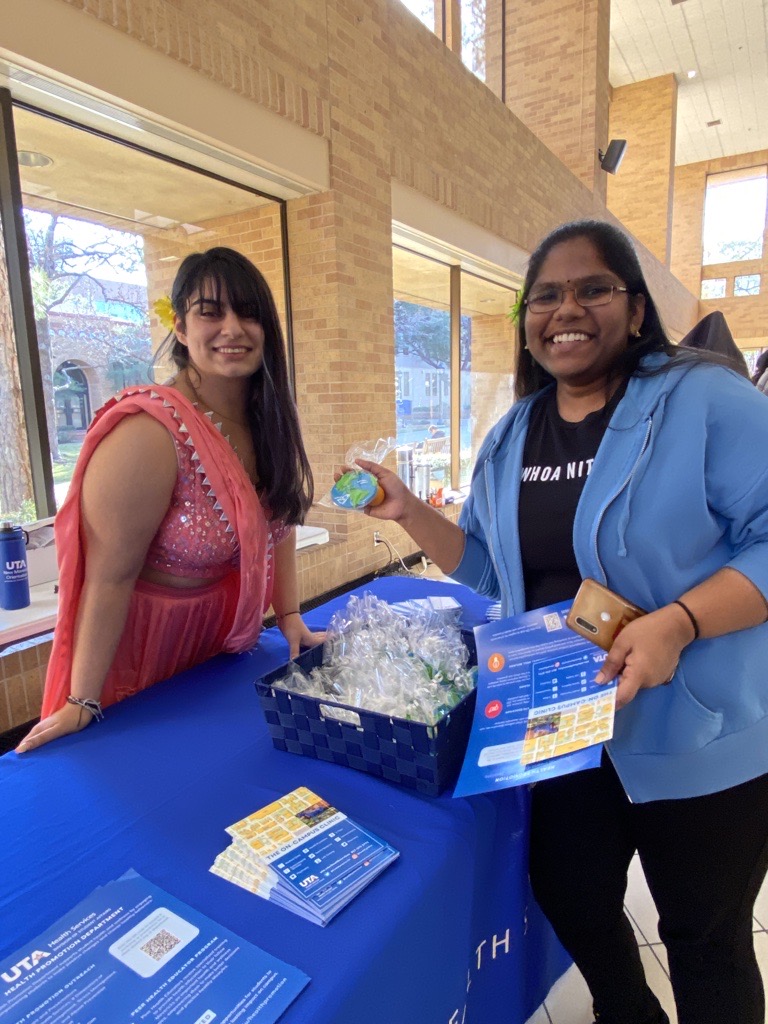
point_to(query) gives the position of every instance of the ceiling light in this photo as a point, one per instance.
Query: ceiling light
(29, 158)
(691, 74)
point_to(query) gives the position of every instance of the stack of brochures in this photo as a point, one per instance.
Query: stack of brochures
(302, 854)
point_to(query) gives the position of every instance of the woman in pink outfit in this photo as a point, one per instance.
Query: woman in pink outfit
(177, 531)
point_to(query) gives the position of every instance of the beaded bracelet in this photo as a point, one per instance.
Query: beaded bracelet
(691, 616)
(94, 706)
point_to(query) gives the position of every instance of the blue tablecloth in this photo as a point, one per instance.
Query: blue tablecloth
(448, 934)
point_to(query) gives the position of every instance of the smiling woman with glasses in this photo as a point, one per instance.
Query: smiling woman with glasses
(625, 460)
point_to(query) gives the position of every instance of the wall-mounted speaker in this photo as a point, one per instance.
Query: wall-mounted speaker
(612, 157)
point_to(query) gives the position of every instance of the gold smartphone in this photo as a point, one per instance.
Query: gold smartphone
(600, 615)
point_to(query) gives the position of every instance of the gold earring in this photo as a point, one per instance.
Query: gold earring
(635, 332)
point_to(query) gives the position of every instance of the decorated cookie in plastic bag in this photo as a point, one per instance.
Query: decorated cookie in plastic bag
(357, 489)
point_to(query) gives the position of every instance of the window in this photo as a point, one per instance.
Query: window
(473, 36)
(426, 11)
(442, 434)
(713, 288)
(734, 215)
(487, 359)
(747, 284)
(16, 494)
(106, 227)
(422, 289)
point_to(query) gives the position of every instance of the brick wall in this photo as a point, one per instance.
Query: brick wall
(557, 78)
(22, 673)
(640, 195)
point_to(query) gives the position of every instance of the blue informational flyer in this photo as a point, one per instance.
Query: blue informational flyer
(539, 712)
(304, 855)
(132, 953)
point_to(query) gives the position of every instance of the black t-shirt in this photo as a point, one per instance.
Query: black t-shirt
(557, 459)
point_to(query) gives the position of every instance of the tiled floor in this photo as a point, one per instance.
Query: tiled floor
(569, 1001)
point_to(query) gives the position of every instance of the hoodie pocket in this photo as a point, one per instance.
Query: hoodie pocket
(666, 720)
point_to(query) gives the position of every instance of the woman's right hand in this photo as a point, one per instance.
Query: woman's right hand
(397, 497)
(66, 720)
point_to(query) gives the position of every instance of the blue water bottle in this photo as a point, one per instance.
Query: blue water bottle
(14, 579)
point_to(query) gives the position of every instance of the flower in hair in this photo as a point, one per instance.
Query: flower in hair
(515, 312)
(163, 310)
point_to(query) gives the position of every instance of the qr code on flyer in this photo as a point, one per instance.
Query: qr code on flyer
(155, 940)
(160, 945)
(552, 622)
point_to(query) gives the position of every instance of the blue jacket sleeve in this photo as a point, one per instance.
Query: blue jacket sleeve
(476, 568)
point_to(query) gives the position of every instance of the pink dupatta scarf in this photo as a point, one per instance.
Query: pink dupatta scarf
(235, 494)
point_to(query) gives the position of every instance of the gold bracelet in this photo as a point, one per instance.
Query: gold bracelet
(285, 615)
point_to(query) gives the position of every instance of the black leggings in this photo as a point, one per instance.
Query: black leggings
(704, 859)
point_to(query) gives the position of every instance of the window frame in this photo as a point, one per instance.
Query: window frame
(742, 294)
(20, 287)
(720, 179)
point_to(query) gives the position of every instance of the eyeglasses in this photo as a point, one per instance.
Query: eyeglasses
(546, 300)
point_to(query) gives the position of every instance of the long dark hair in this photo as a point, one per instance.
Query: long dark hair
(618, 254)
(285, 478)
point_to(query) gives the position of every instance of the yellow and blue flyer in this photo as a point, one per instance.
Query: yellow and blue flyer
(303, 855)
(539, 711)
(132, 952)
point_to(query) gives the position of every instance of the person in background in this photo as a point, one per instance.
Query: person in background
(760, 376)
(712, 334)
(659, 489)
(435, 432)
(177, 532)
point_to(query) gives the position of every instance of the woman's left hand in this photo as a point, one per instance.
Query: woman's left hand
(298, 635)
(645, 653)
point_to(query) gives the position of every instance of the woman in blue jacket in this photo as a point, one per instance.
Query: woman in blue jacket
(642, 466)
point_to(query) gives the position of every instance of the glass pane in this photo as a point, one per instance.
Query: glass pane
(106, 229)
(16, 496)
(473, 36)
(422, 290)
(487, 358)
(734, 218)
(747, 284)
(425, 11)
(713, 288)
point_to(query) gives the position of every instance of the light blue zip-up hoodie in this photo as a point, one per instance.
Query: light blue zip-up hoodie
(678, 489)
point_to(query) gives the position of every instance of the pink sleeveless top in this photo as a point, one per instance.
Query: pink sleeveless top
(193, 540)
(216, 528)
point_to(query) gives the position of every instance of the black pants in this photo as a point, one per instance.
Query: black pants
(704, 859)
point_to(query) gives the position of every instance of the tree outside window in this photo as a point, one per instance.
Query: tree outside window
(424, 11)
(90, 301)
(713, 288)
(473, 36)
(746, 284)
(734, 215)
